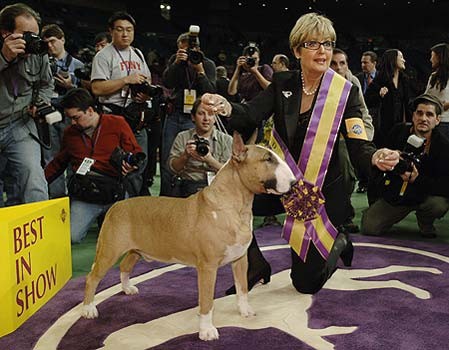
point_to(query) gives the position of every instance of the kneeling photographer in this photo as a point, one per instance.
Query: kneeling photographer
(198, 153)
(101, 150)
(420, 181)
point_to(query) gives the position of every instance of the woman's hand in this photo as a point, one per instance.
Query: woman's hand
(217, 104)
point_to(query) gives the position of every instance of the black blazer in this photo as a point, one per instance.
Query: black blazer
(283, 98)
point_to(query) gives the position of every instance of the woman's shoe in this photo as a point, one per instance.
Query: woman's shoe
(348, 253)
(264, 276)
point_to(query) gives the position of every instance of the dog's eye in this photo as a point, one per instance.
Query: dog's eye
(268, 158)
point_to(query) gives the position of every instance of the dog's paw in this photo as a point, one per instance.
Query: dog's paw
(245, 309)
(89, 311)
(209, 333)
(130, 290)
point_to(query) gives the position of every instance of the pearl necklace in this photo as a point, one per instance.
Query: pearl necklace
(304, 89)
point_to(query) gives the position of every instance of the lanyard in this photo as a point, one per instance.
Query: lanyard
(95, 141)
(127, 66)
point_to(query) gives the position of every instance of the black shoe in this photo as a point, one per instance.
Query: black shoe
(264, 276)
(427, 230)
(347, 254)
(342, 249)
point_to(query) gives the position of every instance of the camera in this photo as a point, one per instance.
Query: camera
(34, 44)
(250, 50)
(194, 56)
(411, 155)
(147, 89)
(86, 55)
(48, 113)
(202, 145)
(133, 159)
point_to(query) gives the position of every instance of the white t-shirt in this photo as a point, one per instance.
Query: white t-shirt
(111, 63)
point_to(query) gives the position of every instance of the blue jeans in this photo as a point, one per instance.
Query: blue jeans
(174, 123)
(23, 156)
(82, 216)
(58, 187)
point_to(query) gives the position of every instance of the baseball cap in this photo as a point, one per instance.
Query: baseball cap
(429, 98)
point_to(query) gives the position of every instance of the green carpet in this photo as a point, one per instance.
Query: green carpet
(83, 254)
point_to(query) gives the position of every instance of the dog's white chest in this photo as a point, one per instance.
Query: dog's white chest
(234, 252)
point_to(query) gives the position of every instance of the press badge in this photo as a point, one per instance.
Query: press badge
(189, 99)
(85, 166)
(124, 92)
(210, 176)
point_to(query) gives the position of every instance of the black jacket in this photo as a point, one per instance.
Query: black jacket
(245, 117)
(433, 169)
(181, 76)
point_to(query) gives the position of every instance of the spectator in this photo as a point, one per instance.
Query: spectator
(421, 187)
(198, 153)
(339, 63)
(390, 94)
(87, 146)
(280, 63)
(24, 74)
(188, 81)
(438, 82)
(368, 63)
(101, 40)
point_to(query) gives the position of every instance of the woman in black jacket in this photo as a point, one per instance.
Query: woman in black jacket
(302, 102)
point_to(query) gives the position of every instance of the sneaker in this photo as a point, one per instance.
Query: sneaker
(270, 221)
(427, 230)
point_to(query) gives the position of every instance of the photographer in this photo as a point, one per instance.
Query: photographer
(420, 181)
(189, 79)
(25, 80)
(197, 154)
(89, 146)
(249, 78)
(120, 78)
(63, 67)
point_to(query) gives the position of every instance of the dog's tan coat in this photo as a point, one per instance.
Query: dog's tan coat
(205, 230)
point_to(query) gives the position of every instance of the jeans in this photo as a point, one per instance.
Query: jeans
(23, 156)
(58, 186)
(82, 216)
(174, 123)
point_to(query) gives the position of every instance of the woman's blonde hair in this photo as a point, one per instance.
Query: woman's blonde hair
(309, 25)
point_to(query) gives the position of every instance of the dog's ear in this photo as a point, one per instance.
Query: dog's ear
(252, 139)
(238, 148)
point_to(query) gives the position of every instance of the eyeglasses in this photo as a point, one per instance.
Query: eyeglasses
(122, 29)
(315, 45)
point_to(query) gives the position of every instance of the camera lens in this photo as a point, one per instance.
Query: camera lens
(250, 61)
(195, 57)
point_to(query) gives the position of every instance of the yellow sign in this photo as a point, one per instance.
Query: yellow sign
(35, 258)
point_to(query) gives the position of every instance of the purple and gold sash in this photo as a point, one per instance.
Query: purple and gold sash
(306, 219)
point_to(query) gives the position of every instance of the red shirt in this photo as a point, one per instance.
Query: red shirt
(112, 131)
